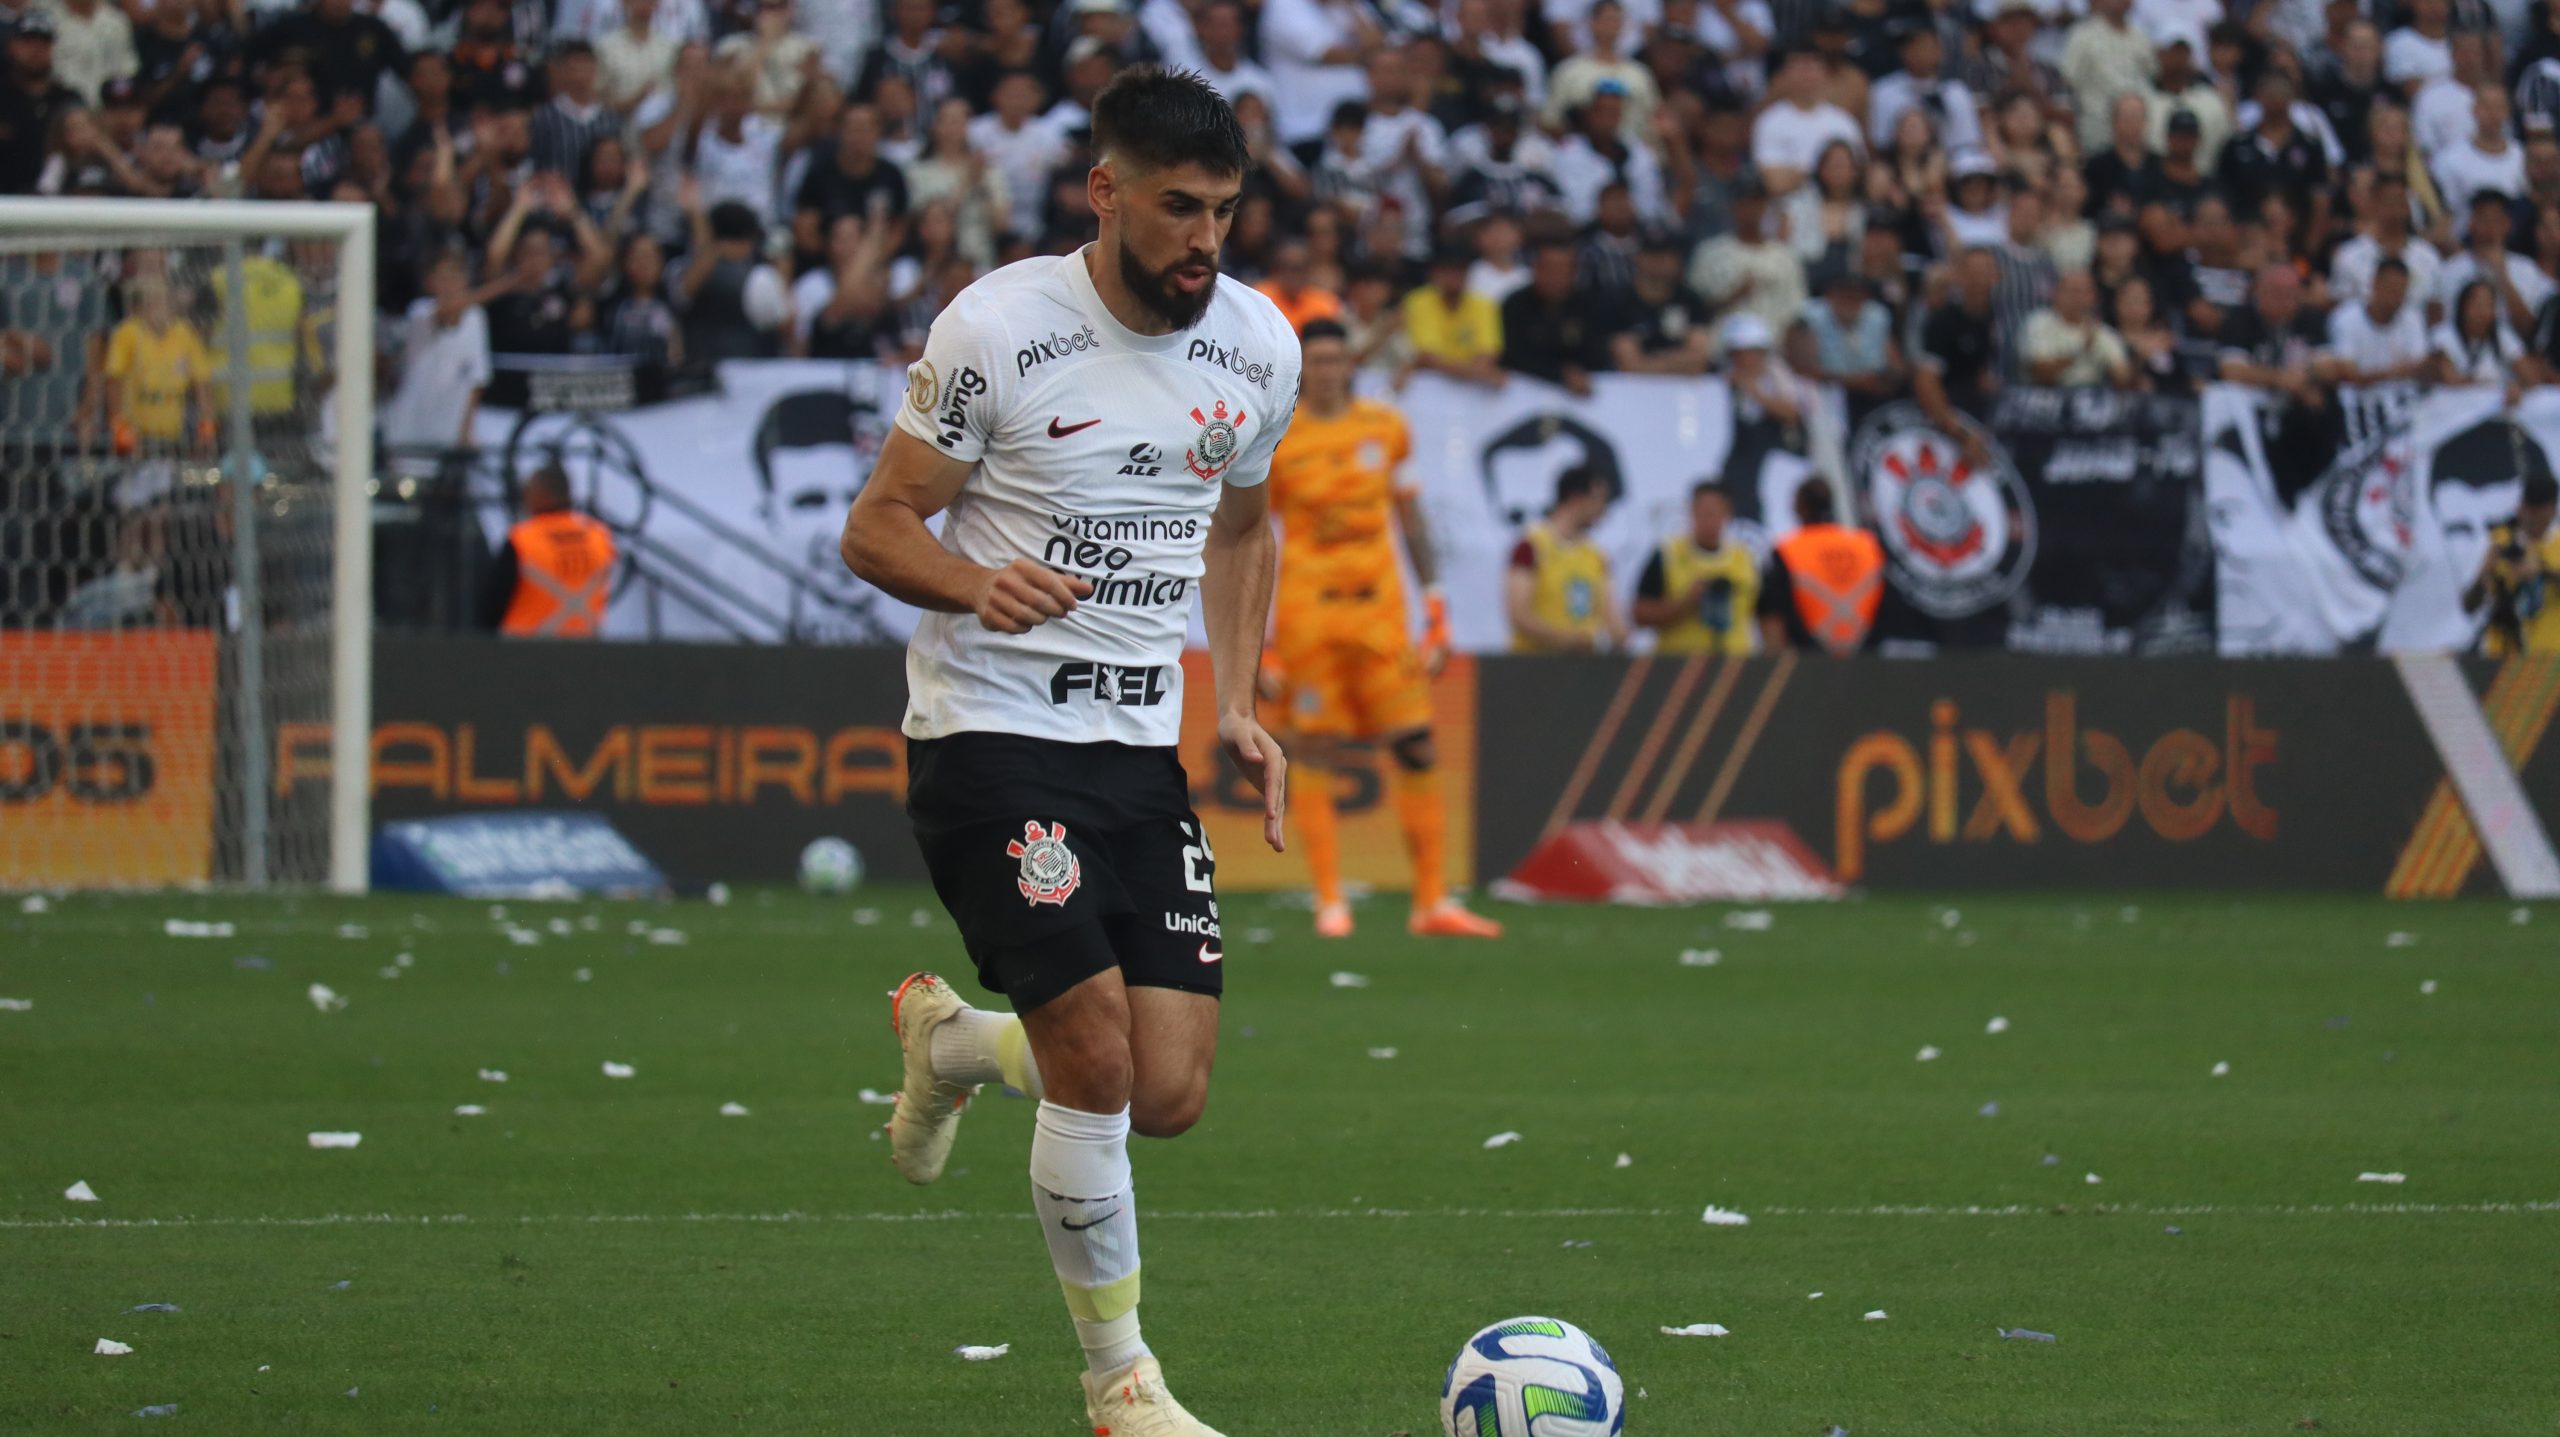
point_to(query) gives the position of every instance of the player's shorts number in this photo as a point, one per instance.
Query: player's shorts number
(1197, 860)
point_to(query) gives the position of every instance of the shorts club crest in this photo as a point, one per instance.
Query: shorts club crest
(1050, 872)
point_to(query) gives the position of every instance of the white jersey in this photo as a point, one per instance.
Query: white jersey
(1101, 453)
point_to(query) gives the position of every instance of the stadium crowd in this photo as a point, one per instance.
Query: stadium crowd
(1922, 198)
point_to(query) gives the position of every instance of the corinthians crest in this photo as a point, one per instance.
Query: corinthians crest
(1215, 448)
(1957, 539)
(1050, 872)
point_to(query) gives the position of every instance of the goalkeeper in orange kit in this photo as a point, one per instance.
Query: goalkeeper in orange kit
(1342, 654)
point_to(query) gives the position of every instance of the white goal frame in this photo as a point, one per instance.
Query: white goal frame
(351, 562)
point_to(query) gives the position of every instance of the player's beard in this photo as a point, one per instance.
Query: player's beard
(1155, 288)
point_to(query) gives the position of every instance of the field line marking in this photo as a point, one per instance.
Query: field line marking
(794, 1217)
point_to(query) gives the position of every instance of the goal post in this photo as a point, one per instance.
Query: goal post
(166, 533)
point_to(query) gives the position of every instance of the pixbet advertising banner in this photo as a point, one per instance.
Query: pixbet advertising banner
(106, 758)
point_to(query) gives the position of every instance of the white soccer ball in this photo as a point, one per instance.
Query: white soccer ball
(1533, 1377)
(830, 866)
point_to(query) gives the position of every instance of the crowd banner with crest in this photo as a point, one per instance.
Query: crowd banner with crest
(2078, 521)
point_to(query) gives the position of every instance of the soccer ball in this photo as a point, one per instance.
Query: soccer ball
(1533, 1377)
(830, 866)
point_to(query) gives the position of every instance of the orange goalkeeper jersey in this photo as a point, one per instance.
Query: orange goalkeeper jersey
(1333, 484)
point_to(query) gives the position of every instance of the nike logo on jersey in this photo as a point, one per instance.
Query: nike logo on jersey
(1208, 957)
(1059, 431)
(1084, 1226)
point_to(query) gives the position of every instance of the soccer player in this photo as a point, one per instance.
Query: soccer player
(1344, 656)
(1095, 430)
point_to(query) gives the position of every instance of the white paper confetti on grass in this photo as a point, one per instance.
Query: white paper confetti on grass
(1700, 957)
(353, 930)
(109, 1347)
(17, 1005)
(1626, 1160)
(1750, 920)
(523, 937)
(585, 975)
(493, 1075)
(2022, 1334)
(1987, 1110)
(2395, 1179)
(1928, 1053)
(717, 895)
(187, 928)
(2092, 1179)
(1813, 1297)
(877, 1099)
(325, 998)
(1382, 1053)
(2427, 989)
(1501, 1140)
(2399, 940)
(336, 1140)
(1698, 1329)
(157, 1409)
(37, 903)
(1950, 917)
(983, 1354)
(406, 960)
(1350, 980)
(80, 1192)
(733, 1110)
(561, 927)
(1996, 1026)
(2519, 917)
(668, 937)
(1723, 1217)
(613, 1069)
(865, 917)
(1876, 1316)
(387, 970)
(918, 918)
(470, 1110)
(2222, 1070)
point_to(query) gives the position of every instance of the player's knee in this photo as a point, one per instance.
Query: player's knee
(1091, 1073)
(1168, 1112)
(1413, 750)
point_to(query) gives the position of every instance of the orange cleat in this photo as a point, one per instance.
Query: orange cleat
(1333, 920)
(1450, 919)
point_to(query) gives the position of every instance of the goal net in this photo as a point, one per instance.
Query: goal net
(186, 401)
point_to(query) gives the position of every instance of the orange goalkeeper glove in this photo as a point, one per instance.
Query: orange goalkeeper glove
(1435, 630)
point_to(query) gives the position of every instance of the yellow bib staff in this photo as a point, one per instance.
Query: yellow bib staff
(1720, 622)
(1571, 592)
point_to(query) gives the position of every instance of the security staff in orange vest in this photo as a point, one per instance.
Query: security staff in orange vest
(553, 574)
(1824, 583)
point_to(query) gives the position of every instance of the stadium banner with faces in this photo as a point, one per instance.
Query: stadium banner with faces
(2076, 521)
(107, 758)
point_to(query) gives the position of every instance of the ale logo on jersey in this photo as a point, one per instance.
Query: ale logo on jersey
(1215, 447)
(1050, 872)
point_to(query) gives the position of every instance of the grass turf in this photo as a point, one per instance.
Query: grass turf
(615, 1256)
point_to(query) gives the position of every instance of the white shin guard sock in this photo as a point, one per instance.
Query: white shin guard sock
(1081, 1189)
(975, 1046)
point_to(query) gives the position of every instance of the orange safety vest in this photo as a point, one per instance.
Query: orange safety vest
(1838, 576)
(564, 562)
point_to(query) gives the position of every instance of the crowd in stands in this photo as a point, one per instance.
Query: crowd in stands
(2337, 201)
(1893, 196)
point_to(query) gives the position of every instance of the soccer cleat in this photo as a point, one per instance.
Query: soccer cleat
(1133, 1402)
(1450, 919)
(1333, 920)
(927, 1117)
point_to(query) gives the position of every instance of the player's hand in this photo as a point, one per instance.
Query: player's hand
(1257, 753)
(1022, 596)
(1435, 632)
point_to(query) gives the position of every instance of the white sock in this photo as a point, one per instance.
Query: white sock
(976, 1046)
(1088, 1209)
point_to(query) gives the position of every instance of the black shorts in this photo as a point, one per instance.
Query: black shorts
(1059, 860)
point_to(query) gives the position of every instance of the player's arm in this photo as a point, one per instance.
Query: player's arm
(887, 545)
(1426, 571)
(1239, 563)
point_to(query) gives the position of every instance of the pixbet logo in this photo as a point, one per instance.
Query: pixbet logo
(1251, 371)
(1056, 346)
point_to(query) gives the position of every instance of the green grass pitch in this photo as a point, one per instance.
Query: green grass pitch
(615, 1256)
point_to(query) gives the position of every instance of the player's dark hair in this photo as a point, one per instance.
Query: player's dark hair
(1582, 479)
(1159, 119)
(1323, 329)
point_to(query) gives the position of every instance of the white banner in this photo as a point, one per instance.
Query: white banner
(2372, 551)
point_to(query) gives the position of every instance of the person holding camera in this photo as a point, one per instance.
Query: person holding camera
(2516, 580)
(1700, 589)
